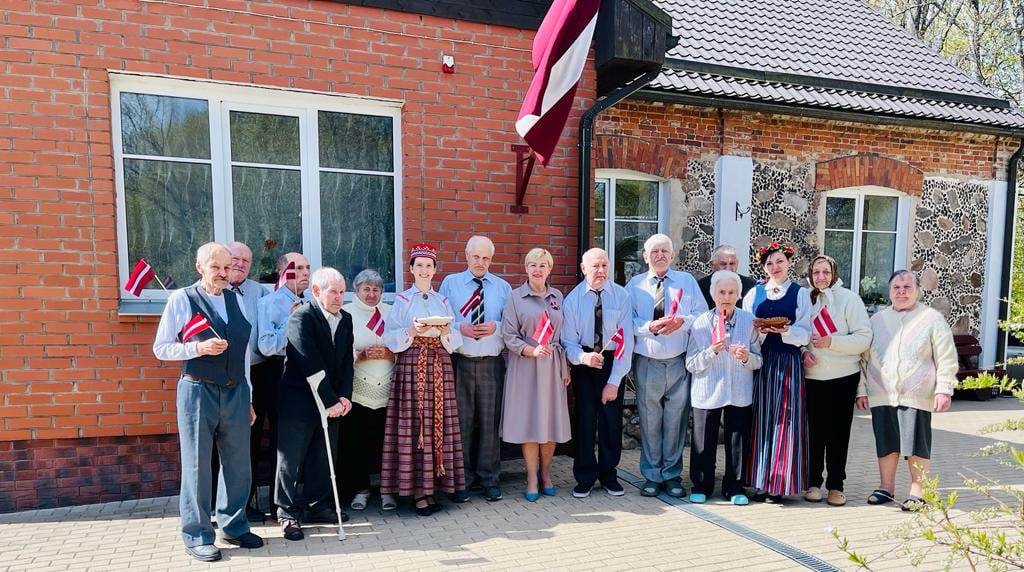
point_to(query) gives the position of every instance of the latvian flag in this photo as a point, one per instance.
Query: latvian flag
(676, 299)
(141, 275)
(544, 330)
(197, 325)
(620, 340)
(559, 54)
(473, 302)
(823, 323)
(718, 332)
(287, 274)
(376, 323)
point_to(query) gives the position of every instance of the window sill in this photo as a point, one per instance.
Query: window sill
(141, 307)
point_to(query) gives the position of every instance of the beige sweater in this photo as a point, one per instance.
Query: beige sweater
(911, 358)
(842, 357)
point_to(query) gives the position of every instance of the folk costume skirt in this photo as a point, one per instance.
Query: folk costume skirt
(422, 442)
(778, 448)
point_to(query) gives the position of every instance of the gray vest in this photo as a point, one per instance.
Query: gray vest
(228, 368)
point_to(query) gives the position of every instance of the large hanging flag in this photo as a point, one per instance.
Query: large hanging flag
(376, 323)
(197, 325)
(544, 330)
(823, 323)
(141, 275)
(287, 274)
(559, 53)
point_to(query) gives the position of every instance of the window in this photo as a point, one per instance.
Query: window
(627, 209)
(278, 170)
(866, 232)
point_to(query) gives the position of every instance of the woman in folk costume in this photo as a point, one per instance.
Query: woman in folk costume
(778, 450)
(422, 443)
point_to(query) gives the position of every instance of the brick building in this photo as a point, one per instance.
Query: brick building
(143, 128)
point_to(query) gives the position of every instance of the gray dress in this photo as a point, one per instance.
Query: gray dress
(535, 407)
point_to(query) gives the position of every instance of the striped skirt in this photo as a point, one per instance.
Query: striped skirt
(778, 448)
(422, 443)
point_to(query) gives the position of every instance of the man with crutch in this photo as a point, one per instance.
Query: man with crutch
(318, 357)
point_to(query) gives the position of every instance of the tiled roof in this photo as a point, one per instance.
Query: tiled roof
(837, 54)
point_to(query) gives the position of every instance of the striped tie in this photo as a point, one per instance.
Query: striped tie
(659, 298)
(477, 315)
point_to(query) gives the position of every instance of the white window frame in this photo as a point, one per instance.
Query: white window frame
(903, 207)
(222, 98)
(610, 177)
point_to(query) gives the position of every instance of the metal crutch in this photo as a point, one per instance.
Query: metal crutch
(330, 458)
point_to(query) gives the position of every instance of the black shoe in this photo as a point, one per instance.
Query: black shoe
(650, 489)
(203, 552)
(292, 529)
(492, 494)
(253, 514)
(675, 488)
(425, 510)
(324, 516)
(460, 496)
(773, 499)
(247, 540)
(613, 488)
(582, 491)
(758, 496)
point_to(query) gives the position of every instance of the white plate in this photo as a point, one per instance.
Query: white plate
(435, 320)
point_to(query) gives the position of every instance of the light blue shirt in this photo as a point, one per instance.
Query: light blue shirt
(411, 305)
(458, 288)
(578, 327)
(274, 310)
(642, 289)
(249, 294)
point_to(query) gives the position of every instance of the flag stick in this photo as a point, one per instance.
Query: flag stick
(161, 283)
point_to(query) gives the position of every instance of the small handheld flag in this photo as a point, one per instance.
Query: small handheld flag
(718, 332)
(197, 325)
(823, 323)
(473, 302)
(544, 330)
(287, 274)
(620, 340)
(376, 323)
(677, 298)
(141, 275)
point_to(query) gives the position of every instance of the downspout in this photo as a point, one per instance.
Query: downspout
(585, 182)
(1008, 230)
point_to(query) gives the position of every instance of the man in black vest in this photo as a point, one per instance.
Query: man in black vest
(214, 402)
(318, 355)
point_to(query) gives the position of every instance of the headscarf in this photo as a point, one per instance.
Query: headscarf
(815, 291)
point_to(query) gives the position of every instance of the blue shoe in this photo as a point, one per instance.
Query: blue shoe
(698, 498)
(532, 497)
(739, 500)
(548, 491)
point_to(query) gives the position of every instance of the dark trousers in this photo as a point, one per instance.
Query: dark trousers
(829, 417)
(301, 456)
(362, 442)
(479, 387)
(704, 450)
(265, 377)
(596, 424)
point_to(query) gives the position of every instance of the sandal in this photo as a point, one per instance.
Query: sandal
(913, 503)
(387, 502)
(880, 496)
(359, 500)
(426, 509)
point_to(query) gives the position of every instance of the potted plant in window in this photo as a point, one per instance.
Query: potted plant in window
(873, 299)
(977, 387)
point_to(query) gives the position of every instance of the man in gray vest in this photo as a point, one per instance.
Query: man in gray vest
(204, 326)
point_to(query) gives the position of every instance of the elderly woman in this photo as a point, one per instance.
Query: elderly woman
(362, 432)
(422, 443)
(722, 354)
(840, 332)
(909, 371)
(777, 464)
(535, 410)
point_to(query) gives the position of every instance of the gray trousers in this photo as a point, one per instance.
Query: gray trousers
(479, 387)
(663, 401)
(210, 415)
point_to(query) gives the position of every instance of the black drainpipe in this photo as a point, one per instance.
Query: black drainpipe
(1008, 229)
(586, 140)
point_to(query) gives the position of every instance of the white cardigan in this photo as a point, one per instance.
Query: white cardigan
(852, 337)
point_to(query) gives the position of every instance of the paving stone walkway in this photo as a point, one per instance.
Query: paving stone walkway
(597, 533)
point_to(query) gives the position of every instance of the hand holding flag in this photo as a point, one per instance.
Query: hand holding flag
(287, 274)
(544, 331)
(197, 325)
(823, 324)
(619, 338)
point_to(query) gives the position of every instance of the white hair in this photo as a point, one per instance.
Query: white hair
(726, 276)
(590, 254)
(323, 277)
(722, 249)
(657, 240)
(478, 240)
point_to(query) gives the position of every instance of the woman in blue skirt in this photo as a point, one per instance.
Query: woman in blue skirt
(777, 465)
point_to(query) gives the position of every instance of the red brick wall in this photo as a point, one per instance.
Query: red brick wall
(70, 366)
(706, 133)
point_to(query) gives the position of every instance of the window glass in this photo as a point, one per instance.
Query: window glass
(165, 126)
(598, 214)
(264, 138)
(839, 245)
(358, 142)
(357, 214)
(877, 261)
(880, 212)
(267, 207)
(840, 212)
(636, 199)
(629, 248)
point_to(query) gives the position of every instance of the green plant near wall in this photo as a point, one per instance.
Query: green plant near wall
(981, 381)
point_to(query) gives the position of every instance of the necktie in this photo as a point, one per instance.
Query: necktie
(477, 315)
(598, 322)
(237, 290)
(659, 298)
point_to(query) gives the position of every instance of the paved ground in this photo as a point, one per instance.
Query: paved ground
(600, 532)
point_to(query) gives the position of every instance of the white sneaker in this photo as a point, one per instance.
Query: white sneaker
(813, 494)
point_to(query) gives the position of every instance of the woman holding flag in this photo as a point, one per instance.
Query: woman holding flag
(362, 432)
(535, 410)
(840, 332)
(777, 465)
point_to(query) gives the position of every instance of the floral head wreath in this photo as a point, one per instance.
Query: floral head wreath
(765, 251)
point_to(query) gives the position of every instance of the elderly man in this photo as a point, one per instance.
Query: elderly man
(319, 355)
(478, 298)
(665, 304)
(213, 402)
(908, 371)
(272, 316)
(594, 312)
(723, 257)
